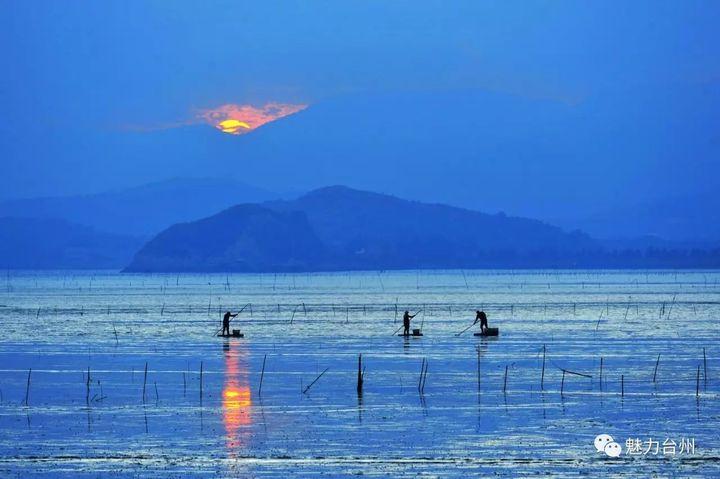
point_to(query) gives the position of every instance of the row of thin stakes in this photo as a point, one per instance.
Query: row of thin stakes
(665, 309)
(361, 379)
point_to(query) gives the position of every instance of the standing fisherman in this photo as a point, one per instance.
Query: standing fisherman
(482, 317)
(406, 322)
(226, 323)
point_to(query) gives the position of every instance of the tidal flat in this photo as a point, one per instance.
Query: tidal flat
(122, 375)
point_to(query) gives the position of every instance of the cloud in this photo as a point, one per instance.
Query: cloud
(240, 119)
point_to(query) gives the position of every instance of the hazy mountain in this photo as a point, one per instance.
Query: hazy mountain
(242, 238)
(367, 230)
(144, 210)
(688, 218)
(31, 243)
(339, 228)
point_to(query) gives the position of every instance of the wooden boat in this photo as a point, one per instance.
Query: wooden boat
(415, 333)
(489, 332)
(235, 334)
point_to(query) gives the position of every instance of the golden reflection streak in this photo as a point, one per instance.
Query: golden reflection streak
(236, 398)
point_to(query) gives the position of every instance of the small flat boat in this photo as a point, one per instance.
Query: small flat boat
(415, 333)
(489, 332)
(235, 334)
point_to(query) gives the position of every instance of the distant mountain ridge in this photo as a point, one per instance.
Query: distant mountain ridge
(144, 210)
(242, 238)
(339, 228)
(366, 229)
(32, 243)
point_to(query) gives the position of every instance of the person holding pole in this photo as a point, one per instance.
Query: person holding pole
(482, 317)
(226, 323)
(406, 322)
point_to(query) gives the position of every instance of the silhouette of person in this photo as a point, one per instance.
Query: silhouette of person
(482, 317)
(406, 322)
(226, 323)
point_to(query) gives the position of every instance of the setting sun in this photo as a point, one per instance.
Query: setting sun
(232, 126)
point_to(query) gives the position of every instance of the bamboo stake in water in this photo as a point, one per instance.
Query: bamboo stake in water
(423, 376)
(359, 376)
(27, 388)
(293, 314)
(601, 371)
(201, 381)
(144, 382)
(262, 374)
(622, 385)
(422, 390)
(505, 381)
(542, 375)
(478, 369)
(697, 383)
(87, 388)
(657, 363)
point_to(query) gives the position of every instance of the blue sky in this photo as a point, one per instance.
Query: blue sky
(76, 72)
(108, 63)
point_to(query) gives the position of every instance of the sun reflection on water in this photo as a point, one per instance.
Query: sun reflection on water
(236, 398)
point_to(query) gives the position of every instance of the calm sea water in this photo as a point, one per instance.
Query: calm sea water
(488, 406)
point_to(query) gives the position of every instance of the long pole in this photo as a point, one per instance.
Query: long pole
(398, 329)
(241, 310)
(316, 379)
(464, 330)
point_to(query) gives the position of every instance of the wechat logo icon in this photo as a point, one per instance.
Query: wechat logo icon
(605, 443)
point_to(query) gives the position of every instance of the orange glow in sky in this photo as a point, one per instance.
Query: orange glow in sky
(241, 119)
